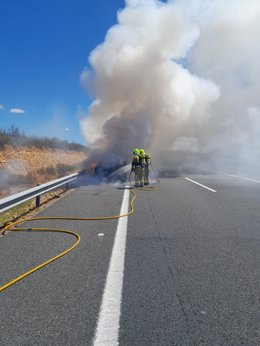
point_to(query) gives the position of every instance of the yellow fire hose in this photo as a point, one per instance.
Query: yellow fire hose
(10, 283)
(76, 235)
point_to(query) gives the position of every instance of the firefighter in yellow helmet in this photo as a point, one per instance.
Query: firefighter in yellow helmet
(147, 163)
(138, 164)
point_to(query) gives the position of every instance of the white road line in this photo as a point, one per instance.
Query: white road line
(205, 187)
(107, 330)
(237, 176)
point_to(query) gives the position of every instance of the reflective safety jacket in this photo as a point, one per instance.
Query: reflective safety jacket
(147, 159)
(138, 160)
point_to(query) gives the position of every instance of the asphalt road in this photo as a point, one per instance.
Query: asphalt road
(191, 268)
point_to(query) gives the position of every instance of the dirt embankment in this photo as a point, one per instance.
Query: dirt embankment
(24, 167)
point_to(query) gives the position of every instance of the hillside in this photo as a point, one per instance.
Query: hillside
(24, 167)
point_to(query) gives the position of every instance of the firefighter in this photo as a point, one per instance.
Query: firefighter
(138, 167)
(147, 163)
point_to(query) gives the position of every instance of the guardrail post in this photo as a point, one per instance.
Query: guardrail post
(35, 192)
(38, 200)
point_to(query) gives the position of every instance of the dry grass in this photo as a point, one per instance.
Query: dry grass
(25, 167)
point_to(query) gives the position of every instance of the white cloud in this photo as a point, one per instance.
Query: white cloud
(1, 107)
(17, 110)
(66, 129)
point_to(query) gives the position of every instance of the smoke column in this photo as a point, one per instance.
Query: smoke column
(180, 79)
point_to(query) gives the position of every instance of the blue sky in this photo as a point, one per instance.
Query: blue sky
(44, 47)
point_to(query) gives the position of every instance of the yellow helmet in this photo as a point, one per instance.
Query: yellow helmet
(142, 152)
(136, 152)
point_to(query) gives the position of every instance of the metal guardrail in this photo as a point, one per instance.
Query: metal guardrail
(14, 200)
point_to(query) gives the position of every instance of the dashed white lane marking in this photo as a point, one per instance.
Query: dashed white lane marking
(107, 330)
(237, 176)
(205, 187)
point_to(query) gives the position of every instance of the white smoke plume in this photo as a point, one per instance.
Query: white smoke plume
(177, 77)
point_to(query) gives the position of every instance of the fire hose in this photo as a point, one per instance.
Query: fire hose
(10, 228)
(156, 175)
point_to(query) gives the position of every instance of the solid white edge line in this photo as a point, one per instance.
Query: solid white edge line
(107, 330)
(205, 187)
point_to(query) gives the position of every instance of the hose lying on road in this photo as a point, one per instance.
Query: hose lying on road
(10, 283)
(10, 226)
